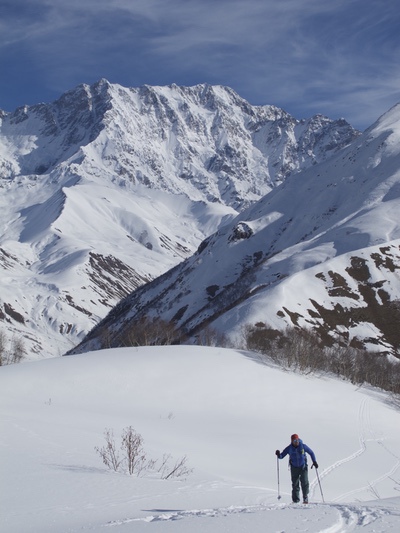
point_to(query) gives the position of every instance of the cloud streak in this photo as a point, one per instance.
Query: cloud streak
(307, 56)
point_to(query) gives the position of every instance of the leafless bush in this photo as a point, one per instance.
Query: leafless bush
(109, 453)
(12, 351)
(132, 444)
(133, 458)
(17, 351)
(149, 332)
(106, 339)
(209, 336)
(2, 347)
(169, 469)
(295, 349)
(303, 351)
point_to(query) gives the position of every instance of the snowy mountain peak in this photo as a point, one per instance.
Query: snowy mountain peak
(321, 252)
(108, 187)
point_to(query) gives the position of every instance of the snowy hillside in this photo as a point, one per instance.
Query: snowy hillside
(108, 187)
(226, 411)
(321, 251)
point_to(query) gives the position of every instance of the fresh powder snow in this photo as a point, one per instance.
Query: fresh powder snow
(227, 411)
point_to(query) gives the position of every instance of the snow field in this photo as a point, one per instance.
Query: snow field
(221, 408)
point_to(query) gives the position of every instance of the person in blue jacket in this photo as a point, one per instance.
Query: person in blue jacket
(298, 466)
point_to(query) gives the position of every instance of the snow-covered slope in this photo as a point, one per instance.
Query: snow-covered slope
(321, 251)
(226, 411)
(108, 187)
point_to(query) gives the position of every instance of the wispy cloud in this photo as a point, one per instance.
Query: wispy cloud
(339, 58)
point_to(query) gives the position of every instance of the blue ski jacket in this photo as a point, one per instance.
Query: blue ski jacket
(297, 454)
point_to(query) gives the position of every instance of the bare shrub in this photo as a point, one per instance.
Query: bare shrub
(12, 351)
(17, 351)
(2, 348)
(132, 445)
(106, 339)
(173, 469)
(134, 457)
(303, 351)
(149, 332)
(209, 336)
(293, 348)
(109, 453)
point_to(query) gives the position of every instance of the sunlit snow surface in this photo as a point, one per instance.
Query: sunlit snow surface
(226, 411)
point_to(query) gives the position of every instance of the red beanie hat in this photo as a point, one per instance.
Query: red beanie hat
(294, 437)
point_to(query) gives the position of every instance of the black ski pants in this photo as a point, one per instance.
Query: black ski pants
(299, 477)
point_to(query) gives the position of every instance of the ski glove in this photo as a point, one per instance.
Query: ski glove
(315, 464)
(277, 453)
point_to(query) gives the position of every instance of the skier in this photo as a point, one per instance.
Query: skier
(298, 466)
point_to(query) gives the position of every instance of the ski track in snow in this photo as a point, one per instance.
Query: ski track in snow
(138, 511)
(179, 515)
(349, 516)
(367, 433)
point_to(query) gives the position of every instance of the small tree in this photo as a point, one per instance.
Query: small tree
(134, 456)
(109, 453)
(209, 336)
(132, 444)
(149, 332)
(2, 348)
(17, 351)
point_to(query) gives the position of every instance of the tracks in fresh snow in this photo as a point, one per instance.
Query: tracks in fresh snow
(353, 517)
(343, 518)
(367, 433)
(160, 515)
(336, 517)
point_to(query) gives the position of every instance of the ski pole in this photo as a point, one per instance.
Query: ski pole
(277, 469)
(320, 487)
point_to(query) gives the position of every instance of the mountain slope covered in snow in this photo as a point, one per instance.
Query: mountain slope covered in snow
(109, 187)
(322, 251)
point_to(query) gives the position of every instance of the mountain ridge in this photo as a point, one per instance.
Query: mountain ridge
(321, 251)
(108, 187)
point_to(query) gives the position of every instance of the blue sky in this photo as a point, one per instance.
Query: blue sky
(337, 57)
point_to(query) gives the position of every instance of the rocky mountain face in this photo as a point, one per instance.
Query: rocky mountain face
(321, 251)
(109, 187)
